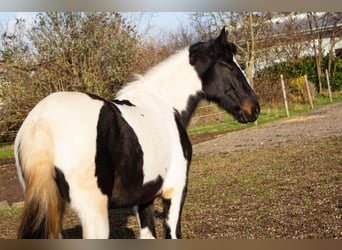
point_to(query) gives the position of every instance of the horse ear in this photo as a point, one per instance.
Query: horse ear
(223, 37)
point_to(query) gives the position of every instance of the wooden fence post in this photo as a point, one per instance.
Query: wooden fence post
(328, 82)
(308, 90)
(284, 95)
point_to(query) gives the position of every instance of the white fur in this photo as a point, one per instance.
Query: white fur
(154, 124)
(74, 141)
(242, 71)
(75, 149)
(145, 233)
(71, 119)
(173, 80)
(164, 88)
(155, 96)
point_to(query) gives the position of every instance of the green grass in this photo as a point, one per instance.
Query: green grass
(284, 192)
(6, 151)
(10, 212)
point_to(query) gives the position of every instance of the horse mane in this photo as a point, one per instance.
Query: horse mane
(161, 72)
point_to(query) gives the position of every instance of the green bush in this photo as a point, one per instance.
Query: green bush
(267, 81)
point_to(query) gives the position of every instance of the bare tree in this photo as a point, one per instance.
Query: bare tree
(91, 52)
(335, 34)
(291, 39)
(316, 36)
(321, 25)
(245, 28)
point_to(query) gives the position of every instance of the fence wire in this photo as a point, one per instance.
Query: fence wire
(206, 115)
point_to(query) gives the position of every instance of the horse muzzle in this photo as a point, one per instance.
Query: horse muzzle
(249, 112)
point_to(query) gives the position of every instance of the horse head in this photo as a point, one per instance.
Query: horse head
(223, 80)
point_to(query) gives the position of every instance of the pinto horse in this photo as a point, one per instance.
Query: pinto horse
(94, 154)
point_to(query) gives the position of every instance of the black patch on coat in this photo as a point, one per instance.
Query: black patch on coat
(123, 102)
(146, 217)
(190, 108)
(62, 184)
(183, 138)
(187, 152)
(119, 161)
(166, 209)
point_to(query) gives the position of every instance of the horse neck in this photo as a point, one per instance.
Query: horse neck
(176, 81)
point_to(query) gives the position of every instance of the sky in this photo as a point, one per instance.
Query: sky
(167, 21)
(158, 22)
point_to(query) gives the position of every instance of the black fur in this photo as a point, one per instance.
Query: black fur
(20, 160)
(123, 102)
(95, 97)
(183, 138)
(119, 161)
(62, 185)
(222, 80)
(146, 217)
(191, 106)
(187, 152)
(166, 208)
(27, 230)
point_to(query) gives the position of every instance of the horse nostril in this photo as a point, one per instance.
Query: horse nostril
(249, 112)
(251, 108)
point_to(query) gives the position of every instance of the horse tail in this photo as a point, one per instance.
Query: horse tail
(44, 205)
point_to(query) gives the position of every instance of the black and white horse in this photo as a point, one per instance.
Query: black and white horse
(94, 154)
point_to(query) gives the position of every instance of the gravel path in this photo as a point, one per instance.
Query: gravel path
(324, 122)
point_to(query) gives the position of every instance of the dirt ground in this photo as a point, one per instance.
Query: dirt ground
(11, 191)
(309, 133)
(324, 122)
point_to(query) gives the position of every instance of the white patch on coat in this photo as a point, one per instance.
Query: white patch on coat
(242, 71)
(158, 135)
(71, 120)
(175, 181)
(145, 233)
(153, 122)
(164, 88)
(173, 80)
(75, 149)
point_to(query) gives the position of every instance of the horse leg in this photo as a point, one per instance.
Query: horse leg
(145, 217)
(92, 209)
(173, 201)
